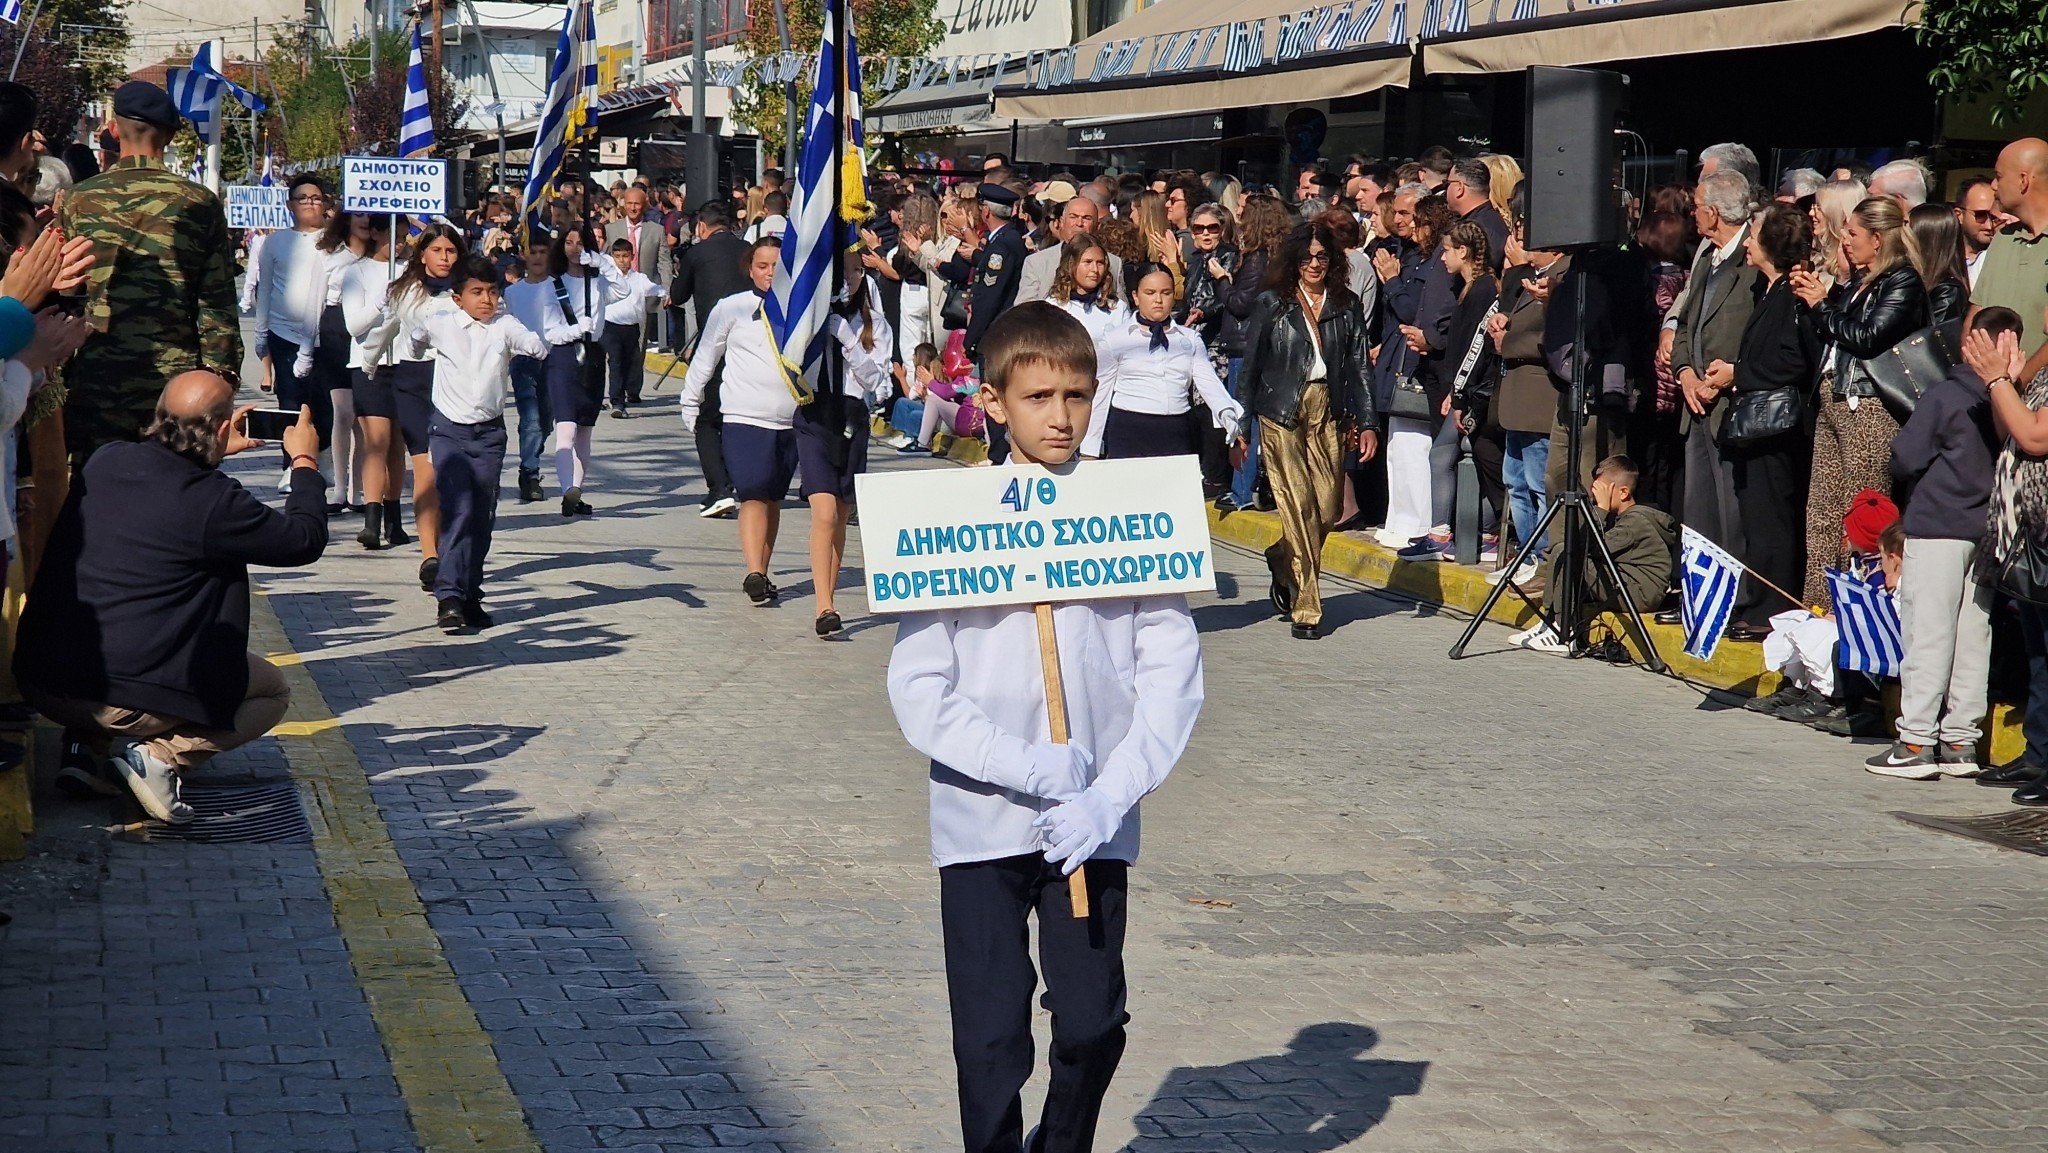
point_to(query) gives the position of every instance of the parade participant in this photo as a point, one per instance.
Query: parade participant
(350, 237)
(577, 397)
(472, 346)
(364, 286)
(531, 298)
(865, 341)
(1149, 367)
(1085, 286)
(758, 433)
(627, 292)
(420, 290)
(1012, 812)
(161, 299)
(707, 272)
(291, 281)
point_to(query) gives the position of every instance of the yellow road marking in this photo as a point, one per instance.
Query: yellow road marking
(447, 1071)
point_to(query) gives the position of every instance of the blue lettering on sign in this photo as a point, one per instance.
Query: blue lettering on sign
(1094, 572)
(921, 583)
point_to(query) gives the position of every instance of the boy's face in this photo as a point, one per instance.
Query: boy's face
(477, 298)
(1890, 563)
(1045, 410)
(537, 262)
(1607, 495)
(624, 260)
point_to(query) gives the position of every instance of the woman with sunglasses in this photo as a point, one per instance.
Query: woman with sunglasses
(1210, 266)
(1305, 376)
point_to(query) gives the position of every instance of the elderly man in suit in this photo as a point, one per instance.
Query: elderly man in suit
(641, 225)
(1720, 295)
(1078, 215)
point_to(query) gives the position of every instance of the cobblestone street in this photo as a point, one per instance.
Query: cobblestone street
(669, 851)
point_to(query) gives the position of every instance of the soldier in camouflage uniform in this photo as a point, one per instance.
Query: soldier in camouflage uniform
(161, 300)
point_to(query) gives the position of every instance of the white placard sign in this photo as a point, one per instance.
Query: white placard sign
(258, 206)
(1020, 534)
(389, 184)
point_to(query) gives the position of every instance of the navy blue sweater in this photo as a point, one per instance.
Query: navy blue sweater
(1946, 454)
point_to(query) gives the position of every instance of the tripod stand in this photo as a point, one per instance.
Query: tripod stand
(1576, 509)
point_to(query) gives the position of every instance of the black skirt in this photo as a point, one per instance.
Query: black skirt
(1134, 434)
(573, 390)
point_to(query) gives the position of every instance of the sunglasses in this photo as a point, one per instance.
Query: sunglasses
(1205, 229)
(1317, 258)
(1983, 214)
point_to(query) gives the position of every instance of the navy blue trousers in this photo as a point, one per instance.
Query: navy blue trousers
(468, 459)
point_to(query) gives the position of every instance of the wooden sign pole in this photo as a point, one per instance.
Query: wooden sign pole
(1056, 719)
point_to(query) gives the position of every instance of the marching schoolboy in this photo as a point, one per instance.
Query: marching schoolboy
(1012, 813)
(473, 344)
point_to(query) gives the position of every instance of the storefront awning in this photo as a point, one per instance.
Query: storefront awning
(956, 102)
(1181, 57)
(1566, 34)
(1145, 132)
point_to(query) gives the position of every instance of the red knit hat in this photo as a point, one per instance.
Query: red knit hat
(1870, 513)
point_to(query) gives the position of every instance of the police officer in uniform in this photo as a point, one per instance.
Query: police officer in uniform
(992, 287)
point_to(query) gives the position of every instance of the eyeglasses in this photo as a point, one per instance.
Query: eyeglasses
(1317, 258)
(309, 200)
(1177, 196)
(1983, 215)
(1205, 229)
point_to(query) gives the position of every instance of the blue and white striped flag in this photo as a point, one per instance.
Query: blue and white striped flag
(197, 97)
(1708, 580)
(415, 119)
(571, 110)
(1525, 9)
(831, 198)
(1872, 639)
(10, 11)
(207, 62)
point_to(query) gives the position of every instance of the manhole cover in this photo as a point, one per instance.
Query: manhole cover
(2023, 829)
(240, 813)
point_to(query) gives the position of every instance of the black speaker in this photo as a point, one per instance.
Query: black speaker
(462, 187)
(1574, 195)
(700, 168)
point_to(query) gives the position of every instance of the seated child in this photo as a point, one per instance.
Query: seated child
(1802, 644)
(1643, 542)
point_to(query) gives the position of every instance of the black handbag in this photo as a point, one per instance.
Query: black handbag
(1410, 400)
(953, 313)
(1903, 373)
(2023, 575)
(1762, 414)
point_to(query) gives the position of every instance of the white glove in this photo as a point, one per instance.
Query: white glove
(1079, 828)
(588, 328)
(303, 365)
(1055, 772)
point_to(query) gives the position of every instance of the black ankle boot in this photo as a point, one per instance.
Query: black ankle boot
(372, 535)
(394, 532)
(529, 488)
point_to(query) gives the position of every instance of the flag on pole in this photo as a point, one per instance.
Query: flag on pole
(197, 97)
(1708, 580)
(207, 61)
(416, 118)
(10, 11)
(1872, 639)
(831, 197)
(570, 113)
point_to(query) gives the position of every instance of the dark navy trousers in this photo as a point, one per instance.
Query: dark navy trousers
(468, 459)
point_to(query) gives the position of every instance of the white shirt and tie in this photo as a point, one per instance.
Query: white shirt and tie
(1136, 377)
(473, 360)
(753, 391)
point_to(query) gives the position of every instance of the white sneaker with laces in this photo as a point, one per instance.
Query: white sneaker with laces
(1539, 638)
(153, 782)
(1522, 575)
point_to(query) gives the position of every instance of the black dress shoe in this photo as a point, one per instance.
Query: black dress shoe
(1669, 617)
(1282, 597)
(1306, 633)
(829, 623)
(1744, 631)
(2034, 792)
(474, 616)
(757, 588)
(2012, 773)
(450, 618)
(429, 569)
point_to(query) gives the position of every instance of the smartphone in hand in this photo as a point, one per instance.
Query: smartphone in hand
(268, 423)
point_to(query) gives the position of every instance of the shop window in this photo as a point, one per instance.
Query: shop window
(670, 25)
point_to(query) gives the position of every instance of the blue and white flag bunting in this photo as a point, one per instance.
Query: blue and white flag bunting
(1872, 639)
(416, 119)
(1708, 581)
(10, 11)
(570, 113)
(207, 62)
(197, 97)
(831, 195)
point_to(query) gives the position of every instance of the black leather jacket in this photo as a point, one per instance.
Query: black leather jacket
(1950, 303)
(1862, 324)
(1278, 354)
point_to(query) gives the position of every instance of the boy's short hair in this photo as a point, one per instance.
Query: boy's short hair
(474, 267)
(622, 245)
(1618, 470)
(1995, 319)
(924, 356)
(1892, 541)
(1038, 332)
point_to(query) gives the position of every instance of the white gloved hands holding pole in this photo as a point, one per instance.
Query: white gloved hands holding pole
(1079, 828)
(1055, 772)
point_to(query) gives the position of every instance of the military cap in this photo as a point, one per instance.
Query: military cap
(141, 100)
(997, 194)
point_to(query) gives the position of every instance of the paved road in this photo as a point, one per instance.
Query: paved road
(673, 853)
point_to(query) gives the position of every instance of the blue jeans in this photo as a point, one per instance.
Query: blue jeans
(1246, 479)
(1524, 468)
(535, 422)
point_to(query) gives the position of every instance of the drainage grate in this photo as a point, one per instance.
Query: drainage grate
(240, 814)
(2025, 830)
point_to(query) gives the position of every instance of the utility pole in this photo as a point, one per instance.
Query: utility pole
(697, 66)
(434, 68)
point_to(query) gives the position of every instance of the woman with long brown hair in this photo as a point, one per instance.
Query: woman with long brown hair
(1084, 287)
(1162, 244)
(1262, 224)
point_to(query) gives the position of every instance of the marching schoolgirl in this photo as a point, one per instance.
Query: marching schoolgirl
(1084, 287)
(541, 302)
(419, 291)
(364, 285)
(865, 341)
(1149, 366)
(349, 238)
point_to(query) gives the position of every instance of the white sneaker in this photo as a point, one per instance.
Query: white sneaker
(1387, 539)
(718, 508)
(153, 782)
(1522, 575)
(1540, 638)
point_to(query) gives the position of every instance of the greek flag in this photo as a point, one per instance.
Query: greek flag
(10, 11)
(416, 119)
(206, 62)
(831, 197)
(1708, 580)
(1873, 641)
(1397, 25)
(197, 97)
(1525, 9)
(571, 110)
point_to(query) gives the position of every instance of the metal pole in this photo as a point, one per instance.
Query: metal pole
(23, 32)
(696, 65)
(788, 98)
(497, 101)
(376, 33)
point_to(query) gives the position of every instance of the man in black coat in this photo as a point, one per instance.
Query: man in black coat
(710, 270)
(992, 282)
(136, 633)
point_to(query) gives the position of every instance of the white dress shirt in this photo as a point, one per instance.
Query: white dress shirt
(254, 245)
(405, 310)
(473, 361)
(753, 391)
(775, 226)
(1096, 319)
(291, 285)
(363, 288)
(1135, 377)
(598, 297)
(626, 294)
(536, 306)
(338, 263)
(1132, 671)
(867, 369)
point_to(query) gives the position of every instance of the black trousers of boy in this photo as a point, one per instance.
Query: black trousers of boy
(984, 911)
(468, 459)
(711, 441)
(625, 363)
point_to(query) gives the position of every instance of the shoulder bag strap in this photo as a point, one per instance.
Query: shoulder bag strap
(1472, 353)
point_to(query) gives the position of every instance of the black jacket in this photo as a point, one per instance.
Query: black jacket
(709, 271)
(1947, 454)
(1863, 324)
(142, 601)
(1278, 354)
(1949, 302)
(1240, 300)
(1779, 346)
(1206, 293)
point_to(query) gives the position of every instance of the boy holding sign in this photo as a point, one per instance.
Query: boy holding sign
(1016, 810)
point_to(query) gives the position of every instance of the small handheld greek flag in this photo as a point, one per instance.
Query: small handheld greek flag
(1708, 580)
(1873, 641)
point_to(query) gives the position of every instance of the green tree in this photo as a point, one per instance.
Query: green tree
(1995, 50)
(328, 103)
(882, 28)
(96, 31)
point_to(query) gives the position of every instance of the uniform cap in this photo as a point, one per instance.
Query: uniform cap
(997, 194)
(141, 100)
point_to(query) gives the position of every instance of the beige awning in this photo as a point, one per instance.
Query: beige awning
(1566, 33)
(1186, 56)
